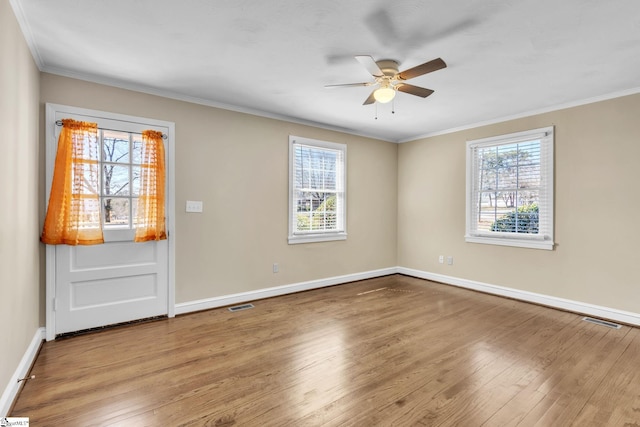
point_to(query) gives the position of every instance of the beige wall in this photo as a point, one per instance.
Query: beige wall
(597, 172)
(237, 164)
(19, 225)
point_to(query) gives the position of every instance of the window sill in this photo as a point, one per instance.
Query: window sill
(313, 238)
(521, 243)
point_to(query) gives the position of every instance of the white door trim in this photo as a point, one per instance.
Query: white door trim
(50, 155)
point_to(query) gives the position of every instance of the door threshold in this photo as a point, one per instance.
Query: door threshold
(72, 334)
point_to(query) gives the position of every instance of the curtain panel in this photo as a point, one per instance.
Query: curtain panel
(73, 214)
(151, 202)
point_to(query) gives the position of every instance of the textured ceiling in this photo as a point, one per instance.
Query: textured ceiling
(505, 58)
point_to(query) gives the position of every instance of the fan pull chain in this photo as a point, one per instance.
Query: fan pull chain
(393, 106)
(376, 111)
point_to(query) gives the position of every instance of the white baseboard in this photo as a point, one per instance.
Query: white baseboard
(526, 296)
(11, 390)
(546, 300)
(205, 304)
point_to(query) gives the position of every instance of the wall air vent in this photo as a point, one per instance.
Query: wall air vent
(241, 307)
(602, 322)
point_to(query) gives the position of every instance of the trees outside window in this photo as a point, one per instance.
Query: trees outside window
(120, 167)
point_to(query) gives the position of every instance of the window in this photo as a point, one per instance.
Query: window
(317, 200)
(117, 170)
(510, 189)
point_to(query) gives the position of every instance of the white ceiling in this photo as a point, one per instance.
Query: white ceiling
(505, 58)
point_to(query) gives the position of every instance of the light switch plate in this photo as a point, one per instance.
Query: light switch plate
(194, 206)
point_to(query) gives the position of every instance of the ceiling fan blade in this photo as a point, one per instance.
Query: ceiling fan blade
(370, 65)
(425, 68)
(370, 99)
(348, 85)
(414, 90)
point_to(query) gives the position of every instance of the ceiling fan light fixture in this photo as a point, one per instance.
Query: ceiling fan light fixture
(384, 94)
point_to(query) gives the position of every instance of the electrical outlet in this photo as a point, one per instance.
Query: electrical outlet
(275, 267)
(450, 260)
(194, 206)
(441, 259)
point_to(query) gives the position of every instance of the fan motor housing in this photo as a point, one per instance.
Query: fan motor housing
(388, 66)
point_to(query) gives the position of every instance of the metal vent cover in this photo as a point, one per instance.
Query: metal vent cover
(602, 322)
(240, 307)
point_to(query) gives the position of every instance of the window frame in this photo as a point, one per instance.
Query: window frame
(295, 236)
(542, 240)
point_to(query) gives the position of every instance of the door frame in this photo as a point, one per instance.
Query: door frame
(51, 146)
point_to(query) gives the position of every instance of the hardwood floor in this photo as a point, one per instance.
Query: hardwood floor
(391, 351)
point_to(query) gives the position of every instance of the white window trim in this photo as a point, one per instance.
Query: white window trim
(311, 237)
(545, 241)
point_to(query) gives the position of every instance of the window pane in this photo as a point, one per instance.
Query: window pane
(306, 178)
(486, 219)
(115, 180)
(521, 220)
(90, 218)
(135, 181)
(331, 160)
(528, 197)
(116, 212)
(317, 179)
(303, 223)
(324, 217)
(488, 179)
(316, 159)
(315, 203)
(507, 178)
(330, 180)
(303, 202)
(136, 152)
(316, 211)
(330, 203)
(115, 146)
(87, 174)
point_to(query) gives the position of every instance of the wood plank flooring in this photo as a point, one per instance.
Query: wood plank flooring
(391, 351)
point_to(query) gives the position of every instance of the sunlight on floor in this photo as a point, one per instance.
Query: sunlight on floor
(321, 369)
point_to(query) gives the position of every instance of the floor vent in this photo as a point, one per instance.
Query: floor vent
(602, 322)
(241, 307)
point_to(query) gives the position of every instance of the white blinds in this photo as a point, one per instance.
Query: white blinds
(318, 189)
(510, 186)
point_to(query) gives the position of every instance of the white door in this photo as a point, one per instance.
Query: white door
(118, 281)
(111, 283)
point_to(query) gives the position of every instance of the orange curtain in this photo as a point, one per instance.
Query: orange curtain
(73, 215)
(150, 216)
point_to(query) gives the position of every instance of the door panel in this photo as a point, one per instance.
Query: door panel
(110, 283)
(112, 254)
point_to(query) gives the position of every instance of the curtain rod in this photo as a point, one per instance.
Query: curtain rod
(59, 123)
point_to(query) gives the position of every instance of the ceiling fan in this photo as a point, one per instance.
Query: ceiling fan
(390, 80)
